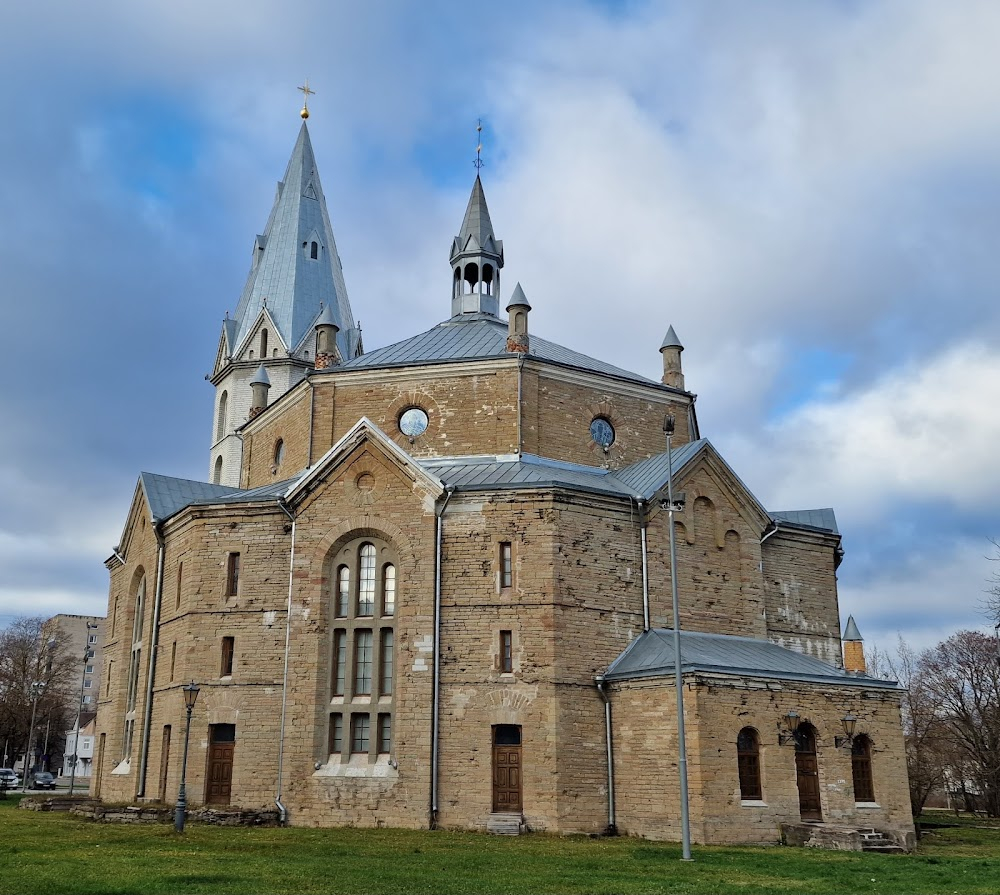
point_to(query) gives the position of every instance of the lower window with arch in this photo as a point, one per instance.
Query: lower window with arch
(748, 765)
(861, 769)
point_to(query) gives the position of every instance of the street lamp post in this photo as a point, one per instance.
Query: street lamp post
(190, 696)
(79, 708)
(672, 506)
(37, 689)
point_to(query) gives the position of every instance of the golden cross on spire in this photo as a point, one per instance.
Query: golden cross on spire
(306, 93)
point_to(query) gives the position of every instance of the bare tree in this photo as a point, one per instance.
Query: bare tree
(962, 677)
(33, 659)
(925, 735)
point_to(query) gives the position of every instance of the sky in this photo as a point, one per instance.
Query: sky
(808, 192)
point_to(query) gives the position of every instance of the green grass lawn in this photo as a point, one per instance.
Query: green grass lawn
(58, 853)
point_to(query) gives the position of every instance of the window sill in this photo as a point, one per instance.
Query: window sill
(358, 766)
(867, 805)
(752, 803)
(124, 767)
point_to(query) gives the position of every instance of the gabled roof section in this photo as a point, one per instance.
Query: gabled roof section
(166, 495)
(477, 336)
(822, 519)
(651, 654)
(293, 284)
(363, 430)
(647, 476)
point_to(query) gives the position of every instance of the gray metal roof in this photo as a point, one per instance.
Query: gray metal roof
(475, 336)
(851, 631)
(477, 228)
(823, 519)
(651, 654)
(168, 495)
(647, 476)
(293, 285)
(670, 340)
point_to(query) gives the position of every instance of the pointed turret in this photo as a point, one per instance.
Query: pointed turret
(476, 259)
(671, 349)
(259, 386)
(854, 648)
(295, 278)
(327, 354)
(517, 322)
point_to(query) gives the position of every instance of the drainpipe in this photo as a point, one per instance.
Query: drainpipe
(645, 569)
(612, 826)
(282, 810)
(154, 641)
(312, 413)
(520, 374)
(767, 534)
(436, 706)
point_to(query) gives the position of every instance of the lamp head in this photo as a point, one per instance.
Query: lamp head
(190, 694)
(668, 425)
(793, 721)
(850, 723)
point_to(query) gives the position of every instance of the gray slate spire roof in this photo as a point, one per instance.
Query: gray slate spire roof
(851, 631)
(477, 225)
(670, 340)
(284, 276)
(261, 377)
(518, 299)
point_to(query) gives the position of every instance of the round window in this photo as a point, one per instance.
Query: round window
(602, 431)
(413, 422)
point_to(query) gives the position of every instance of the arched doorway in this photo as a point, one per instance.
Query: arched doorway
(807, 772)
(507, 768)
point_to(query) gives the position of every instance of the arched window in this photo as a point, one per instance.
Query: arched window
(363, 584)
(861, 769)
(279, 451)
(135, 661)
(217, 472)
(748, 763)
(220, 425)
(471, 278)
(488, 278)
(314, 250)
(263, 344)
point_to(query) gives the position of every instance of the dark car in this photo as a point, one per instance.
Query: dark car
(43, 780)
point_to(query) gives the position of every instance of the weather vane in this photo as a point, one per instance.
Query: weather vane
(479, 144)
(306, 93)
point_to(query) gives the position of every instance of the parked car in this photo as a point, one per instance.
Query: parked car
(9, 778)
(43, 780)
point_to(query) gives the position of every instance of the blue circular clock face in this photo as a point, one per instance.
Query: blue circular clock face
(602, 431)
(413, 422)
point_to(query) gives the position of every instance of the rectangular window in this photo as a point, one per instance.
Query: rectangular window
(90, 669)
(233, 575)
(506, 564)
(506, 652)
(336, 733)
(339, 676)
(384, 734)
(87, 684)
(343, 590)
(173, 658)
(366, 581)
(92, 638)
(389, 589)
(107, 678)
(180, 576)
(86, 700)
(363, 642)
(385, 676)
(228, 647)
(360, 731)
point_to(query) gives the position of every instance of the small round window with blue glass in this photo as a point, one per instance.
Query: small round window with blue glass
(602, 431)
(413, 422)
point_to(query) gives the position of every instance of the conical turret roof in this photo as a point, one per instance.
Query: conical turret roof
(670, 340)
(477, 234)
(851, 631)
(285, 276)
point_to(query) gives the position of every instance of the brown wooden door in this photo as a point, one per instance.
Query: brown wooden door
(807, 773)
(219, 787)
(507, 768)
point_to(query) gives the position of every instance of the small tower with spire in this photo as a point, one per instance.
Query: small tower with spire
(854, 648)
(517, 322)
(671, 349)
(476, 259)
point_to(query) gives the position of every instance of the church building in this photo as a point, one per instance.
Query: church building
(430, 585)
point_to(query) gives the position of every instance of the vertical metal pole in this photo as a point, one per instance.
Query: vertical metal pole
(79, 711)
(35, 689)
(678, 677)
(181, 808)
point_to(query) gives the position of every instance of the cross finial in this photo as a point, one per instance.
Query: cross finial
(306, 93)
(479, 144)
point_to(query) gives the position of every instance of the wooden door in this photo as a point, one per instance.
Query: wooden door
(222, 745)
(807, 773)
(507, 769)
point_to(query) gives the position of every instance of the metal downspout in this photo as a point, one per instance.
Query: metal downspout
(436, 698)
(312, 414)
(282, 811)
(520, 409)
(612, 825)
(154, 642)
(645, 569)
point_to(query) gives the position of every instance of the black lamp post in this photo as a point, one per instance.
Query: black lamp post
(190, 697)
(37, 689)
(87, 656)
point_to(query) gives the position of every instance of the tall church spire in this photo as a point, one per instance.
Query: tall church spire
(476, 259)
(295, 279)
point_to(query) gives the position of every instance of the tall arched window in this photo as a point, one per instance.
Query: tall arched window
(363, 592)
(861, 769)
(263, 344)
(135, 660)
(217, 472)
(748, 762)
(314, 250)
(220, 425)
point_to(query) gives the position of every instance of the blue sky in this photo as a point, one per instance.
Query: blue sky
(809, 193)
